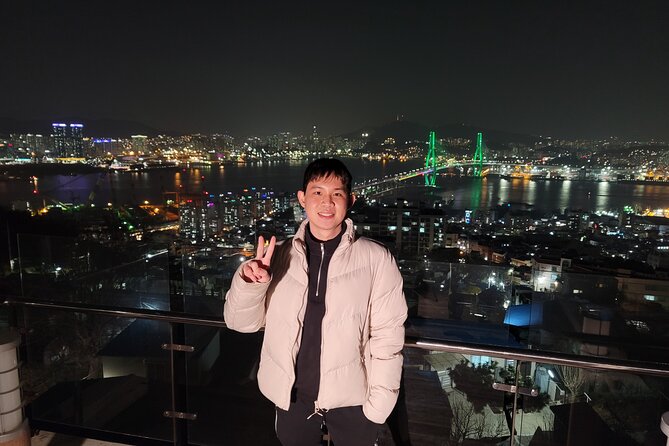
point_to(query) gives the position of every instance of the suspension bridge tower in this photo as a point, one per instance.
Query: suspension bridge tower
(431, 162)
(479, 155)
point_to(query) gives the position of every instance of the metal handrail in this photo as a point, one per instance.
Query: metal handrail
(139, 313)
(557, 358)
(519, 354)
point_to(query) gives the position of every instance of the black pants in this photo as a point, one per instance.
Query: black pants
(347, 426)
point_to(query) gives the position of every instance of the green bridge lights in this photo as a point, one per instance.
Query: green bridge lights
(479, 155)
(431, 162)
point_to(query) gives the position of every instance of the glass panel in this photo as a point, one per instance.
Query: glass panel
(207, 273)
(579, 406)
(97, 372)
(448, 398)
(65, 269)
(458, 292)
(618, 316)
(223, 391)
(539, 308)
(459, 302)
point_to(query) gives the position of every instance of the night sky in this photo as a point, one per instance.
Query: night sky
(570, 69)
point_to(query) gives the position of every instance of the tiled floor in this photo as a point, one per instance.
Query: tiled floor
(51, 439)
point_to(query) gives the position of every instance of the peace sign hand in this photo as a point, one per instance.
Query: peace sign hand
(257, 270)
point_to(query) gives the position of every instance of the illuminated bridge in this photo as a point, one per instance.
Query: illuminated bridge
(435, 161)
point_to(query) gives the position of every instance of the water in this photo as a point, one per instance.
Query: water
(476, 193)
(467, 192)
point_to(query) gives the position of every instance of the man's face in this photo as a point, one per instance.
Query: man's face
(325, 202)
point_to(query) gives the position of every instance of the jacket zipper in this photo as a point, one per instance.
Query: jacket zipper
(316, 404)
(320, 267)
(317, 407)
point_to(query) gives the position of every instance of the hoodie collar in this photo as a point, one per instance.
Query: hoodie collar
(346, 239)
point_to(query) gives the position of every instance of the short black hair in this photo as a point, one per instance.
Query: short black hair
(325, 167)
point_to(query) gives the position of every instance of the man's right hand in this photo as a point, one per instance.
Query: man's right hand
(257, 270)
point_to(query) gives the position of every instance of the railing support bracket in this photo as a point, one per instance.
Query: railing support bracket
(178, 348)
(180, 415)
(515, 389)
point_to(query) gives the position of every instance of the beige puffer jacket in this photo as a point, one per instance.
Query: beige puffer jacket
(363, 326)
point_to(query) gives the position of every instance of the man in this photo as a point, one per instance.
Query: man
(333, 310)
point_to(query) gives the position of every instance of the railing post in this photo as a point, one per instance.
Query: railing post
(512, 438)
(178, 358)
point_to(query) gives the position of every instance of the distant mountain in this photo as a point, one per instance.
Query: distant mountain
(115, 128)
(491, 136)
(411, 131)
(400, 130)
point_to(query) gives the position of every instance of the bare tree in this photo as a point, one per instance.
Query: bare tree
(498, 428)
(466, 422)
(574, 378)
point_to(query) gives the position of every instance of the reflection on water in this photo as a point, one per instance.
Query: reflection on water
(602, 198)
(565, 194)
(552, 195)
(475, 201)
(467, 192)
(531, 196)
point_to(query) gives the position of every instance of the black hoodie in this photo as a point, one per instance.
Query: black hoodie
(308, 363)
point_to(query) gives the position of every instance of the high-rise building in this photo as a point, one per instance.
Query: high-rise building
(102, 147)
(59, 135)
(198, 223)
(35, 142)
(412, 230)
(247, 208)
(138, 143)
(68, 141)
(230, 210)
(76, 140)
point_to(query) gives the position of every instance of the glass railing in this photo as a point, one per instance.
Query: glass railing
(122, 274)
(95, 373)
(492, 354)
(583, 314)
(222, 391)
(107, 376)
(476, 396)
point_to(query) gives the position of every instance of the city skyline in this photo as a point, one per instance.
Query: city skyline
(572, 70)
(413, 130)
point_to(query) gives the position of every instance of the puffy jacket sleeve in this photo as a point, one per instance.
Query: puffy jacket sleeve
(388, 313)
(244, 308)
